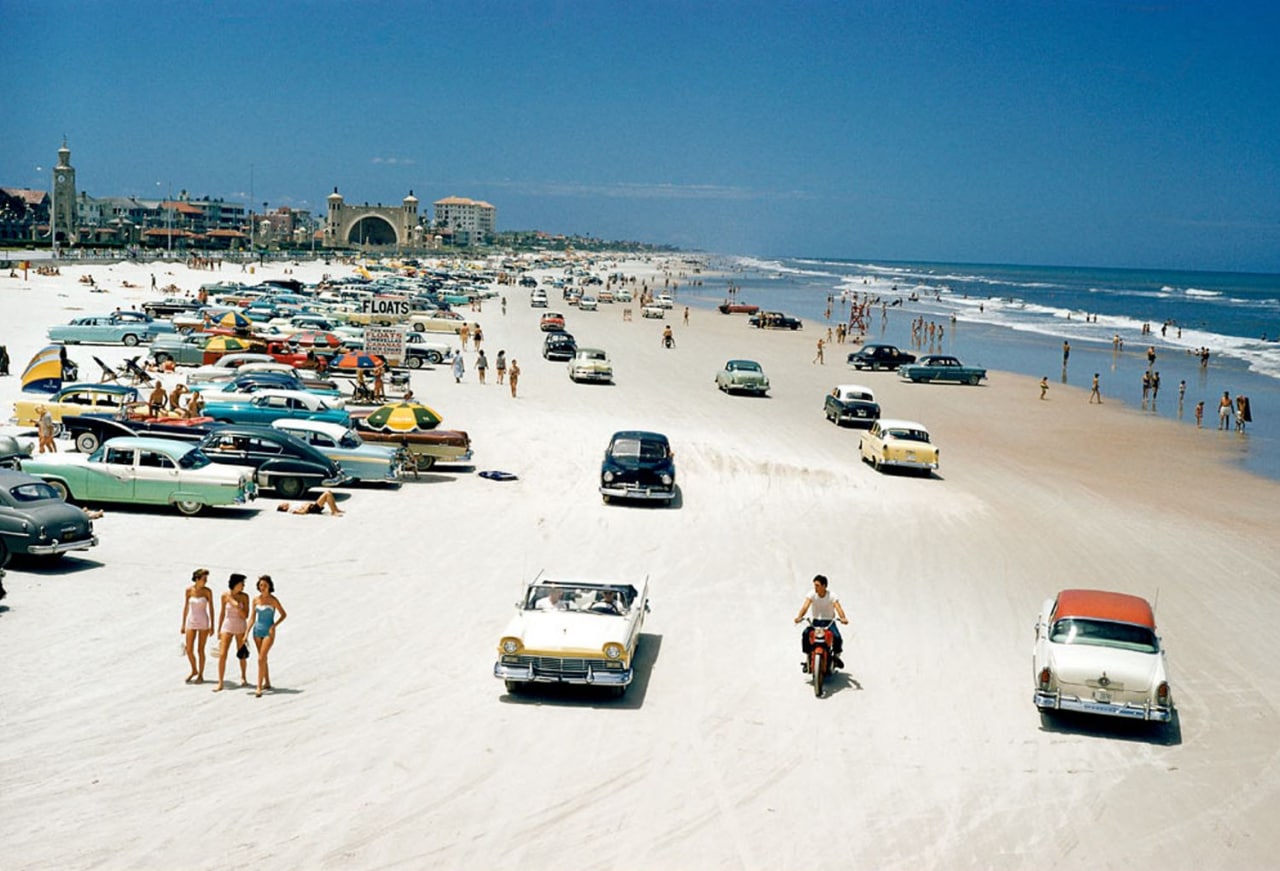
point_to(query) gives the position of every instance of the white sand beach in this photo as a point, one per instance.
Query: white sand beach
(387, 742)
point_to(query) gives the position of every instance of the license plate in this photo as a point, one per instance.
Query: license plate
(1102, 696)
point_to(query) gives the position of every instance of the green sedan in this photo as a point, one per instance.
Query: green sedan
(145, 471)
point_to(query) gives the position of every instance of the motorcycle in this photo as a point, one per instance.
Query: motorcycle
(820, 661)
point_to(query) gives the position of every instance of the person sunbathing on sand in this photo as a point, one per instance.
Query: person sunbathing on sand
(323, 501)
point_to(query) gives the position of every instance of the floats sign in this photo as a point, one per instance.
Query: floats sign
(386, 342)
(396, 307)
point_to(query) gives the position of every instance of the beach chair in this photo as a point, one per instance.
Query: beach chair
(108, 374)
(136, 372)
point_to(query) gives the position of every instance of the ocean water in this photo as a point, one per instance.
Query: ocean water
(1015, 319)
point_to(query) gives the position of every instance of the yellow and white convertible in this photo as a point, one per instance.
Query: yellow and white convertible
(576, 632)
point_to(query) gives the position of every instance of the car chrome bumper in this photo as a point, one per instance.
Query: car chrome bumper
(908, 464)
(62, 546)
(638, 493)
(592, 676)
(1055, 701)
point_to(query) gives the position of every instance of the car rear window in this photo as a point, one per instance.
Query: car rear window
(35, 491)
(1104, 633)
(910, 435)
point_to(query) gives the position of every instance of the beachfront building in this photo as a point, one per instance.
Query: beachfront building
(285, 227)
(24, 213)
(369, 226)
(467, 221)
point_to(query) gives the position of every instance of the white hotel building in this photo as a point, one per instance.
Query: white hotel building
(470, 221)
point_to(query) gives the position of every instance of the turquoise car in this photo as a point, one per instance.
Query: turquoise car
(359, 461)
(145, 471)
(266, 406)
(119, 328)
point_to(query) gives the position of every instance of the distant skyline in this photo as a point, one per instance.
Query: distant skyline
(1080, 134)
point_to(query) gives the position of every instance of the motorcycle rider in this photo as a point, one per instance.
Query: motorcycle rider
(668, 340)
(826, 608)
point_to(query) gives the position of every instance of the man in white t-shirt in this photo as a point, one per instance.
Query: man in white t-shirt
(826, 609)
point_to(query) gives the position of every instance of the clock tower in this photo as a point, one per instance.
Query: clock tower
(63, 207)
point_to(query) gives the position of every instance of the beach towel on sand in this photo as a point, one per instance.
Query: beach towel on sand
(494, 475)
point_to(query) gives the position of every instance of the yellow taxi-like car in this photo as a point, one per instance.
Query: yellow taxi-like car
(76, 399)
(901, 443)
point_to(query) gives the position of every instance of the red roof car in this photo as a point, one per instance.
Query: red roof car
(1097, 652)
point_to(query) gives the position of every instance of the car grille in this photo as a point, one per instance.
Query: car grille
(555, 666)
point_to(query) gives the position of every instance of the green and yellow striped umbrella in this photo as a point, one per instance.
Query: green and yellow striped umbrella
(403, 417)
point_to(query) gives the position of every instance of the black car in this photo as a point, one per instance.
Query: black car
(774, 321)
(638, 465)
(88, 431)
(284, 463)
(528, 281)
(13, 452)
(170, 306)
(34, 519)
(559, 346)
(878, 355)
(851, 403)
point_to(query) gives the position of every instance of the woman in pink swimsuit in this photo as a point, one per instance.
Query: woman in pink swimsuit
(197, 621)
(232, 627)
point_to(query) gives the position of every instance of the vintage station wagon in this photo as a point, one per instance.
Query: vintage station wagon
(77, 399)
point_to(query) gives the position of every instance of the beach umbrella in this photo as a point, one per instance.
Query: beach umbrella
(403, 417)
(227, 344)
(357, 361)
(44, 373)
(316, 339)
(235, 320)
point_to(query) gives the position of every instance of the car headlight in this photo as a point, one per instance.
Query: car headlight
(608, 477)
(666, 480)
(613, 651)
(510, 645)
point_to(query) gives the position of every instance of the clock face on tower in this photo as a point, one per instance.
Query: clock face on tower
(61, 178)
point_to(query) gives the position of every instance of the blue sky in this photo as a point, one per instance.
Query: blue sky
(1084, 133)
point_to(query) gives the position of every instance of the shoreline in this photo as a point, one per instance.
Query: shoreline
(1038, 354)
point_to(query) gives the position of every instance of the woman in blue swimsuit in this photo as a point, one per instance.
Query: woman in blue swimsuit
(268, 613)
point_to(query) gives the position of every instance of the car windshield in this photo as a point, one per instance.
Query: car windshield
(590, 600)
(743, 366)
(1104, 633)
(193, 459)
(638, 448)
(909, 435)
(350, 440)
(35, 491)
